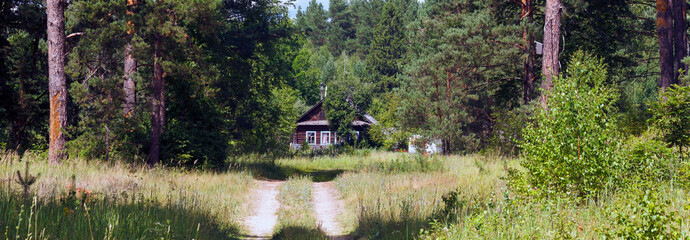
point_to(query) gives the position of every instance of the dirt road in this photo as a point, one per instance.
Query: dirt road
(264, 204)
(327, 207)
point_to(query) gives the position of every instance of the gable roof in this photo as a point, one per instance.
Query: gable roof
(313, 108)
(304, 120)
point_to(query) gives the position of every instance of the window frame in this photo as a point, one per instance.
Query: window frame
(328, 138)
(306, 136)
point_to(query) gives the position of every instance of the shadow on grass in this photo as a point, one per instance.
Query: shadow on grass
(381, 228)
(66, 218)
(272, 171)
(297, 232)
(377, 225)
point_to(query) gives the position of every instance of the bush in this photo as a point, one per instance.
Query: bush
(647, 217)
(672, 116)
(648, 159)
(571, 146)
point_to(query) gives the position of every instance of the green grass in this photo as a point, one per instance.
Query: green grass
(327, 168)
(125, 202)
(396, 204)
(105, 218)
(387, 196)
(296, 217)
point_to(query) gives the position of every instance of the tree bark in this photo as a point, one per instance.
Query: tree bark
(158, 111)
(527, 14)
(552, 31)
(130, 67)
(664, 23)
(680, 40)
(56, 78)
(129, 85)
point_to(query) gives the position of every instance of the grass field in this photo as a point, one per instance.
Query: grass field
(401, 196)
(387, 196)
(123, 202)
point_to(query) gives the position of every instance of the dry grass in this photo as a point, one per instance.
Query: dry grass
(296, 217)
(394, 204)
(219, 194)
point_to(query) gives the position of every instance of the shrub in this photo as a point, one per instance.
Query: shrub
(672, 116)
(571, 146)
(647, 217)
(648, 159)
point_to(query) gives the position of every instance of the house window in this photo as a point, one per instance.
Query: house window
(325, 138)
(311, 137)
(356, 135)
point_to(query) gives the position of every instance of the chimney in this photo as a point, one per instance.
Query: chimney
(321, 90)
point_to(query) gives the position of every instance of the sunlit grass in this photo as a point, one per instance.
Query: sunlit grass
(296, 217)
(181, 200)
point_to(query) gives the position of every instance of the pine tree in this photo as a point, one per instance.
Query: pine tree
(457, 68)
(130, 65)
(57, 80)
(341, 31)
(388, 46)
(365, 19)
(23, 63)
(314, 23)
(552, 33)
(672, 34)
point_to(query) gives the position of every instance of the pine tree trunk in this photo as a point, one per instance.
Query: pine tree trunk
(158, 111)
(680, 40)
(129, 85)
(552, 32)
(527, 12)
(664, 23)
(56, 78)
(130, 67)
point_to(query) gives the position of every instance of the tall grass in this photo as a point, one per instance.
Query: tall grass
(557, 218)
(127, 201)
(296, 219)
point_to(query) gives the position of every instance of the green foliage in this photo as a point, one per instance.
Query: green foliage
(461, 54)
(388, 133)
(387, 46)
(571, 146)
(672, 116)
(23, 76)
(636, 98)
(341, 31)
(646, 217)
(313, 22)
(307, 73)
(508, 126)
(648, 159)
(348, 97)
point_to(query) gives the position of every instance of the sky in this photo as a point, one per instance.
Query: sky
(304, 3)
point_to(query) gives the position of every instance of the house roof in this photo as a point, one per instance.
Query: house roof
(325, 123)
(304, 121)
(301, 118)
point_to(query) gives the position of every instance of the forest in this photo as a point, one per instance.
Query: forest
(190, 83)
(556, 118)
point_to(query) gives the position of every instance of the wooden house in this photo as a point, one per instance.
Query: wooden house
(313, 128)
